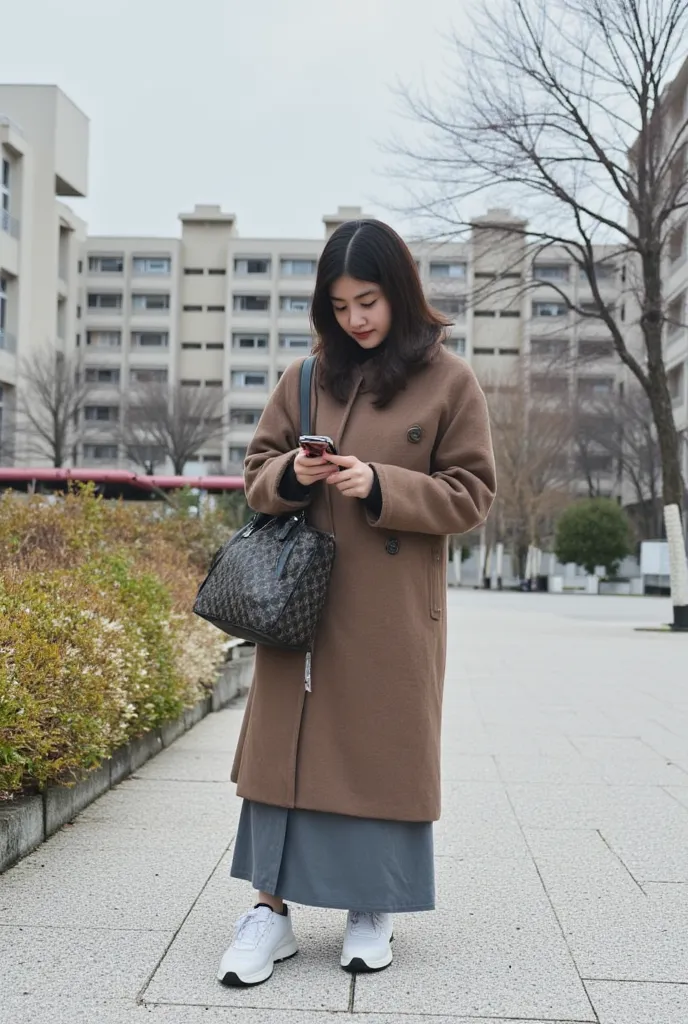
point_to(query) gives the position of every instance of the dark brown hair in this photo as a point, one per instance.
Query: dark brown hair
(369, 250)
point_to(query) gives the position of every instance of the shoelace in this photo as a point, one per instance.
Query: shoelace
(251, 926)
(361, 922)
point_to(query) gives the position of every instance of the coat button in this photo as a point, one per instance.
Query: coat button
(414, 434)
(392, 546)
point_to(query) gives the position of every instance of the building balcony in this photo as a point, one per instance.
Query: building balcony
(8, 342)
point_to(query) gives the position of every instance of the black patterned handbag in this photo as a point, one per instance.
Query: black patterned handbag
(268, 583)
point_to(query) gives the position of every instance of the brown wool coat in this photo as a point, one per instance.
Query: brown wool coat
(366, 740)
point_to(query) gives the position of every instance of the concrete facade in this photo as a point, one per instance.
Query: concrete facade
(43, 158)
(213, 309)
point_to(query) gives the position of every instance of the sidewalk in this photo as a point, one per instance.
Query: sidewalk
(562, 862)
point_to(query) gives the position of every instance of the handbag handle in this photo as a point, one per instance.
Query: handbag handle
(307, 368)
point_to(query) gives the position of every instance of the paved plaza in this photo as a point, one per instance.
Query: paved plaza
(562, 854)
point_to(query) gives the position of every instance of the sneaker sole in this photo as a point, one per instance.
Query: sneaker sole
(359, 966)
(232, 980)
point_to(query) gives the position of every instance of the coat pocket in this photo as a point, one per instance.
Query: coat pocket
(436, 584)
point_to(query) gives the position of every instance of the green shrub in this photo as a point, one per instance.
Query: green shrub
(98, 643)
(593, 532)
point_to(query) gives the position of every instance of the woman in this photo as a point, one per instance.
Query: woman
(341, 776)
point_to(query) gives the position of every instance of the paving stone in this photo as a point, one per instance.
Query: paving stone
(652, 852)
(313, 980)
(42, 967)
(458, 767)
(190, 766)
(629, 1002)
(615, 929)
(567, 805)
(493, 949)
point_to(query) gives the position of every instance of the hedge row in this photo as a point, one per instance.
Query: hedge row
(98, 643)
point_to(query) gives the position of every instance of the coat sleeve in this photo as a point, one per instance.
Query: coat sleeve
(274, 446)
(457, 496)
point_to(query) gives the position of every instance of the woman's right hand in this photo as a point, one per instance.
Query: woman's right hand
(311, 471)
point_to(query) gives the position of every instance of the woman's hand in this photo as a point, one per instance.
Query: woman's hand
(311, 471)
(354, 479)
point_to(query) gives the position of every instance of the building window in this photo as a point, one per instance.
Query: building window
(237, 454)
(442, 269)
(485, 312)
(216, 309)
(102, 375)
(457, 345)
(151, 303)
(483, 351)
(249, 379)
(192, 309)
(101, 413)
(186, 383)
(101, 452)
(106, 264)
(220, 271)
(193, 271)
(3, 309)
(594, 309)
(591, 349)
(250, 341)
(191, 344)
(594, 387)
(298, 268)
(295, 303)
(145, 375)
(451, 306)
(104, 339)
(508, 351)
(251, 303)
(213, 383)
(252, 266)
(550, 309)
(296, 342)
(549, 385)
(551, 271)
(150, 339)
(510, 313)
(152, 265)
(602, 272)
(215, 345)
(675, 382)
(105, 300)
(553, 348)
(245, 417)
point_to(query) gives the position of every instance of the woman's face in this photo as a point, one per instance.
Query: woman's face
(361, 310)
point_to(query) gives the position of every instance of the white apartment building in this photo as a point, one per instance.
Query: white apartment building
(43, 159)
(215, 310)
(210, 308)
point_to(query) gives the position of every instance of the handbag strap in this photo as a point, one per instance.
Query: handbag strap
(307, 368)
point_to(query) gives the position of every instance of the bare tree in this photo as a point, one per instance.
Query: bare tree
(620, 430)
(170, 422)
(532, 433)
(574, 109)
(52, 390)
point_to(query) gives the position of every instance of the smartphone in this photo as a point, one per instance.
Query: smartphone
(316, 445)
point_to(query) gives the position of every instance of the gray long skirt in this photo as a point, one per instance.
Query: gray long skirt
(336, 861)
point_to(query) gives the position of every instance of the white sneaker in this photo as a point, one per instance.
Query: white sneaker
(367, 942)
(261, 939)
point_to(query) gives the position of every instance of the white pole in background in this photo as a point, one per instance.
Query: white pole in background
(481, 559)
(677, 566)
(499, 565)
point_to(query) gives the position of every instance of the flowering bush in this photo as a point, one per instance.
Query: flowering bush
(98, 643)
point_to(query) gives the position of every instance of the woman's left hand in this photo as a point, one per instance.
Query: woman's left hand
(355, 478)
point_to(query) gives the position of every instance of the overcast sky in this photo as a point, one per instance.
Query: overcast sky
(273, 108)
